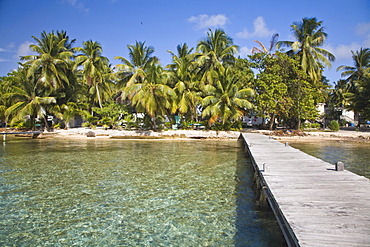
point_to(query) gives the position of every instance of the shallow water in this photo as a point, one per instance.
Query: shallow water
(129, 193)
(355, 156)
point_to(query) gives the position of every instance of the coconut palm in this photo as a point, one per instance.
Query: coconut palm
(132, 71)
(215, 52)
(53, 59)
(360, 69)
(68, 111)
(95, 67)
(310, 35)
(151, 96)
(185, 84)
(227, 100)
(62, 35)
(263, 49)
(29, 97)
(340, 94)
(357, 81)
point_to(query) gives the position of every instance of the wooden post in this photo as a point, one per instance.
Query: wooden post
(4, 137)
(339, 166)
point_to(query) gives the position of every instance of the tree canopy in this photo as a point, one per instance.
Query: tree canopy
(206, 84)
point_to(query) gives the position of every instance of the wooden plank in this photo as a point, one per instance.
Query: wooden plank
(323, 207)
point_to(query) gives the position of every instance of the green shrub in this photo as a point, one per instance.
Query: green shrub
(168, 125)
(315, 125)
(27, 124)
(86, 124)
(334, 125)
(236, 126)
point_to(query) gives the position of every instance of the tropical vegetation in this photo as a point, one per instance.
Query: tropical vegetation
(204, 85)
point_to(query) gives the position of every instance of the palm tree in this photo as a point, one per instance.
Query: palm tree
(132, 71)
(95, 67)
(357, 81)
(216, 52)
(227, 100)
(310, 35)
(53, 59)
(273, 42)
(360, 69)
(185, 84)
(29, 97)
(68, 111)
(151, 96)
(340, 94)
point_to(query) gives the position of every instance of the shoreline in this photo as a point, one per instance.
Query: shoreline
(140, 134)
(100, 133)
(317, 136)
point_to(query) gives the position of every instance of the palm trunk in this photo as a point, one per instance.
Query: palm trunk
(46, 124)
(154, 124)
(97, 92)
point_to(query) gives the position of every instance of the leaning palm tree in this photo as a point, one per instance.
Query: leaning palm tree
(95, 67)
(52, 60)
(227, 100)
(310, 35)
(29, 97)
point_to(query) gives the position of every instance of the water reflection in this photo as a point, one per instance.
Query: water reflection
(128, 193)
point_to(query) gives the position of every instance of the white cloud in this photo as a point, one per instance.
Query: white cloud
(24, 49)
(244, 51)
(260, 30)
(342, 51)
(2, 50)
(206, 21)
(77, 4)
(3, 60)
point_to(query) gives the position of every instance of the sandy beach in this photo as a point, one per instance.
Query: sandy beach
(282, 135)
(140, 134)
(342, 135)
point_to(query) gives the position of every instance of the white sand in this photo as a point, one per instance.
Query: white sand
(342, 135)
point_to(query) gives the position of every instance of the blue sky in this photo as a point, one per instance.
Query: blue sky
(165, 24)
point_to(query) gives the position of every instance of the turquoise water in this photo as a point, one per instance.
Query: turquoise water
(355, 156)
(99, 192)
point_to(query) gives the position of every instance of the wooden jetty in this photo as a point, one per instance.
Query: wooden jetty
(34, 134)
(315, 202)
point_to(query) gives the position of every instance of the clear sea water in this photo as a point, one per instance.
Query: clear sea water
(354, 155)
(98, 192)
